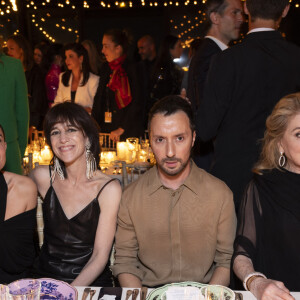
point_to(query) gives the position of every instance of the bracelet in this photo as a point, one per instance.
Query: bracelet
(250, 277)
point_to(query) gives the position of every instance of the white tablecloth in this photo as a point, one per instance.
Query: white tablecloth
(246, 295)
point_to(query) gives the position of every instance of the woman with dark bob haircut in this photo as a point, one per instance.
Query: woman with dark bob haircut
(77, 84)
(77, 237)
(266, 250)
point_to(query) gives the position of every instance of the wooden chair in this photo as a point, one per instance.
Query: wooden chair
(105, 143)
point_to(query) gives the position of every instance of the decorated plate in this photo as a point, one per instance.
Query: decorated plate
(56, 289)
(159, 293)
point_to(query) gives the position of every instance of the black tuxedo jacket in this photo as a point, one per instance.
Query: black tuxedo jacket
(198, 70)
(243, 85)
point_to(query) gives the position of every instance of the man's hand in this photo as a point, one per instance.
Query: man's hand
(115, 135)
(267, 289)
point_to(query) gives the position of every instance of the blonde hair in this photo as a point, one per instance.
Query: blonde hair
(276, 125)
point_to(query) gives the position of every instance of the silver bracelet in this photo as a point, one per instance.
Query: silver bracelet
(247, 278)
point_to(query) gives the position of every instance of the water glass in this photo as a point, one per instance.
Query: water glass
(4, 292)
(25, 289)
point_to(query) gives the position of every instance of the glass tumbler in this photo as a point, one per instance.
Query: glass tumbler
(25, 289)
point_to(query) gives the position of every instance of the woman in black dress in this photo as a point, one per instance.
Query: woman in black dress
(266, 251)
(80, 203)
(117, 105)
(18, 200)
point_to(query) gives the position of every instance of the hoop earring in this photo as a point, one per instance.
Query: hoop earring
(57, 169)
(91, 165)
(281, 160)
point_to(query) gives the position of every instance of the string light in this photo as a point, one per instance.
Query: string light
(188, 29)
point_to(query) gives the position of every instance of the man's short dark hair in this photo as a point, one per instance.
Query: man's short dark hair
(217, 6)
(266, 9)
(169, 105)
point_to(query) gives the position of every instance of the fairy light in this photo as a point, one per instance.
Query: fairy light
(14, 5)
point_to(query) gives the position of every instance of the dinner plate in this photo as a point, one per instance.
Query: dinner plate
(56, 289)
(159, 293)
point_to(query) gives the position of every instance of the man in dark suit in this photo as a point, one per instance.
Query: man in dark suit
(224, 19)
(243, 85)
(147, 51)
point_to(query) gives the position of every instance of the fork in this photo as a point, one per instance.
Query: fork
(128, 294)
(92, 293)
(135, 294)
(86, 292)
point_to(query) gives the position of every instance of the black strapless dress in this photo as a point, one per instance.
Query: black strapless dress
(68, 243)
(17, 248)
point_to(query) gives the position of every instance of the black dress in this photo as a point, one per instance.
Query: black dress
(17, 249)
(68, 243)
(269, 226)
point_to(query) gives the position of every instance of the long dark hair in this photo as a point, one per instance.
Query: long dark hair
(119, 37)
(27, 51)
(78, 117)
(164, 55)
(80, 51)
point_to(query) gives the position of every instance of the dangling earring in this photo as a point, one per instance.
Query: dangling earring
(57, 169)
(91, 165)
(281, 160)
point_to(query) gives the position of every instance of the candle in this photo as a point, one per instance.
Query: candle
(122, 151)
(46, 155)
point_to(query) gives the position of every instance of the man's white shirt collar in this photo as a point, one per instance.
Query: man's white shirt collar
(221, 45)
(261, 29)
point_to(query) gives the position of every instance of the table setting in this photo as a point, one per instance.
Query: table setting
(48, 288)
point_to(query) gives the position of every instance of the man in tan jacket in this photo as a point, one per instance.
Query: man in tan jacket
(177, 222)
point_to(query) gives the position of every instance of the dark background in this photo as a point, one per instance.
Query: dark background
(35, 20)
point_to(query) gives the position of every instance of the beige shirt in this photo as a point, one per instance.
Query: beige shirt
(166, 236)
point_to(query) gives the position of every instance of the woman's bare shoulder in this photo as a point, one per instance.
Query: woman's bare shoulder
(22, 188)
(40, 174)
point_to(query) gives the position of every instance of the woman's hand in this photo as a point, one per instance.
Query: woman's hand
(115, 135)
(264, 289)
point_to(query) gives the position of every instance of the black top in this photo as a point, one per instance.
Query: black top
(37, 96)
(269, 226)
(166, 79)
(68, 243)
(198, 70)
(17, 250)
(243, 85)
(130, 118)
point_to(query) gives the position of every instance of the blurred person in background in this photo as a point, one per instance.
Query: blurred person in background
(14, 110)
(19, 47)
(167, 76)
(55, 61)
(147, 52)
(94, 57)
(117, 105)
(77, 84)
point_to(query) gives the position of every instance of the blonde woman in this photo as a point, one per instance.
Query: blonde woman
(266, 256)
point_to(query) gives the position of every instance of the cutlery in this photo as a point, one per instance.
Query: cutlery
(144, 291)
(92, 293)
(128, 294)
(135, 294)
(86, 292)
